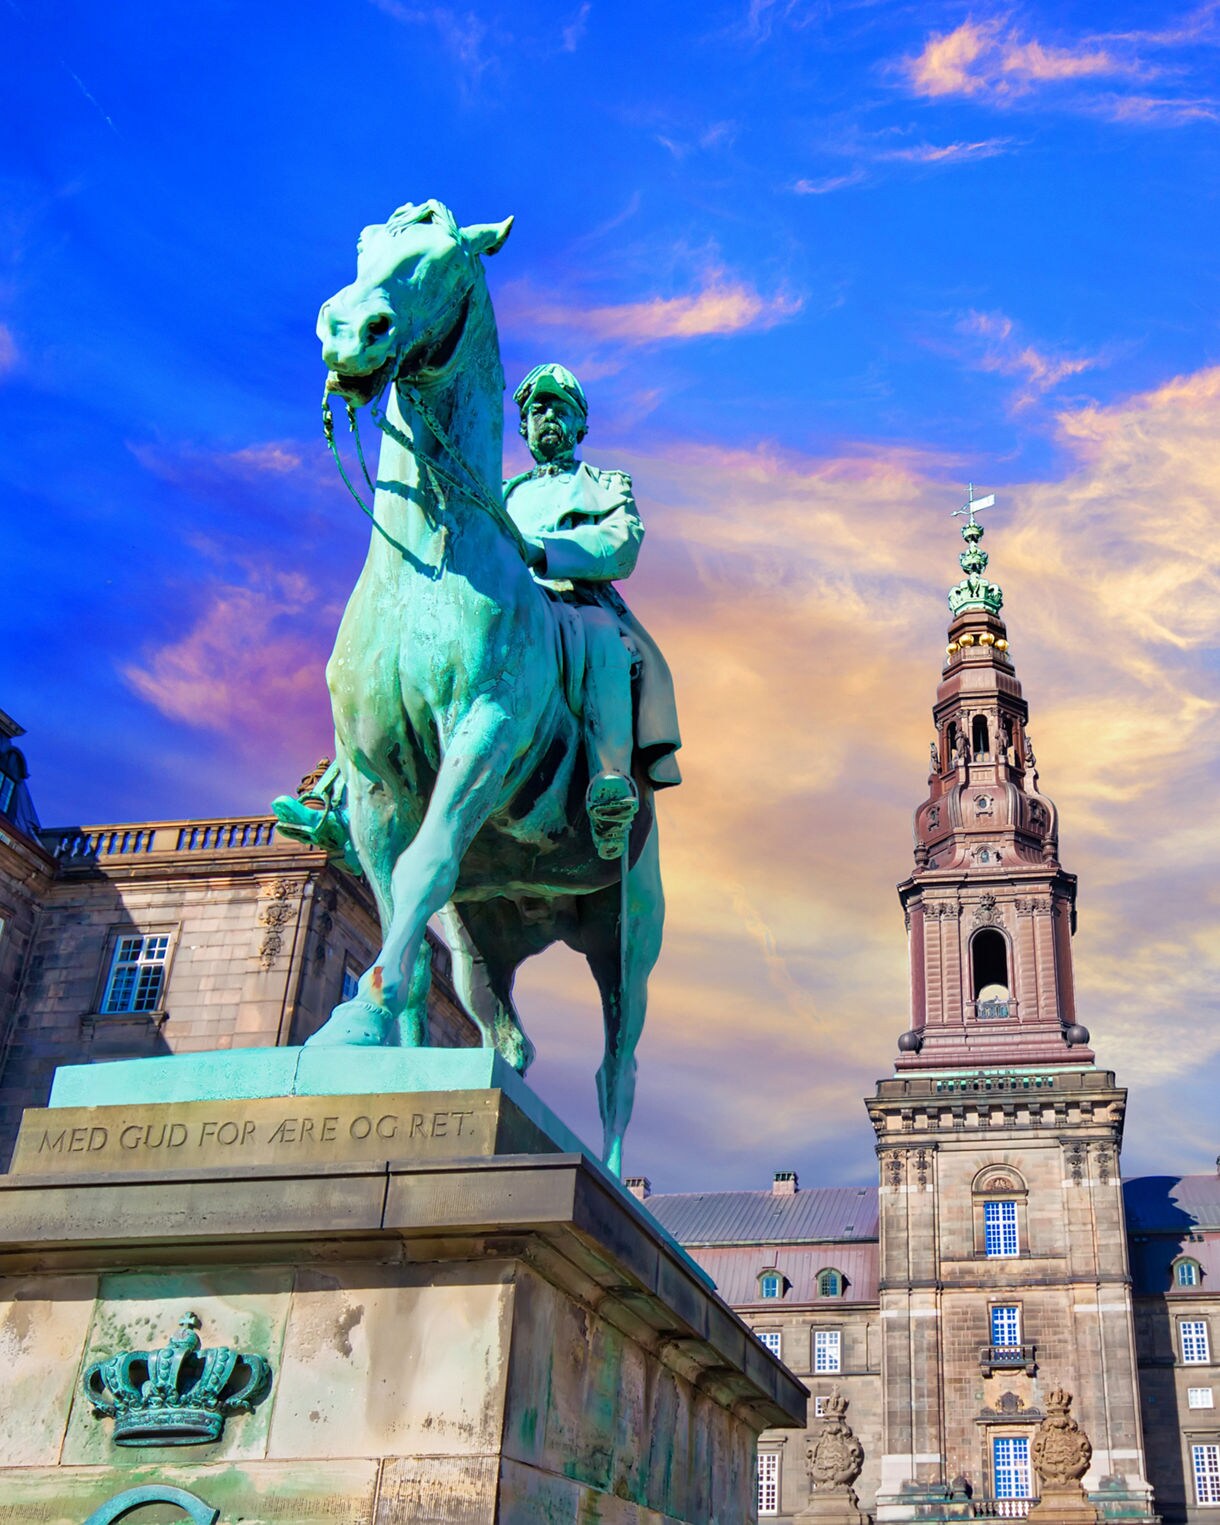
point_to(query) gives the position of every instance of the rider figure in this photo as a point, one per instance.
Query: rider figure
(582, 530)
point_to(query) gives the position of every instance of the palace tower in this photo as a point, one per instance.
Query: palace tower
(1003, 1256)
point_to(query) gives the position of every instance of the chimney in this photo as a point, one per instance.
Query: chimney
(784, 1184)
(640, 1187)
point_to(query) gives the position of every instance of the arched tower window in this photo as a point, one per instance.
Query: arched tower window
(950, 743)
(978, 736)
(989, 973)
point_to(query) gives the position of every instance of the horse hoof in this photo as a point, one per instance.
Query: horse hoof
(355, 1024)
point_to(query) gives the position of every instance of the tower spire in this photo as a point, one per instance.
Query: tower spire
(989, 907)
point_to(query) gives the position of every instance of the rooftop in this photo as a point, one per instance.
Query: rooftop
(818, 1214)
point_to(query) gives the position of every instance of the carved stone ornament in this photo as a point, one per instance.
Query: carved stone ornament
(987, 913)
(834, 1457)
(177, 1396)
(933, 817)
(1061, 1451)
(274, 915)
(1000, 1183)
(984, 804)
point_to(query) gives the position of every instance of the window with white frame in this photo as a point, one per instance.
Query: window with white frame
(1006, 1325)
(1200, 1398)
(1187, 1273)
(1010, 1466)
(770, 1284)
(1206, 1463)
(771, 1338)
(1195, 1348)
(1000, 1229)
(768, 1482)
(827, 1350)
(819, 1405)
(8, 787)
(137, 974)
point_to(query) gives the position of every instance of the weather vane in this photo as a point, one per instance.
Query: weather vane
(973, 505)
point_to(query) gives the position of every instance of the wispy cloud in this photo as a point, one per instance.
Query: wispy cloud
(572, 32)
(990, 341)
(945, 153)
(828, 183)
(251, 653)
(722, 304)
(995, 64)
(464, 34)
(874, 156)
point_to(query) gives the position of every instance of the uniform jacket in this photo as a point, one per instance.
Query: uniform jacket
(587, 524)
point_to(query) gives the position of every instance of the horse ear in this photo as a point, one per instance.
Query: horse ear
(487, 237)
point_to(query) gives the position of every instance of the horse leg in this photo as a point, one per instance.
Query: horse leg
(468, 786)
(378, 833)
(488, 940)
(622, 979)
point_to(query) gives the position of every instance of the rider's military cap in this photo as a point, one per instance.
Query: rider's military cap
(556, 380)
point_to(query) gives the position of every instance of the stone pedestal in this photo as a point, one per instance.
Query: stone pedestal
(455, 1334)
(1064, 1506)
(834, 1506)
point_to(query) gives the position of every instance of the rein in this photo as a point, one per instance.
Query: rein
(432, 469)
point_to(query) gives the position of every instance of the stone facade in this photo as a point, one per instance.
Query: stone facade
(259, 935)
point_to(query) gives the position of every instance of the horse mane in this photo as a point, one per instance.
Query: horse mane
(426, 211)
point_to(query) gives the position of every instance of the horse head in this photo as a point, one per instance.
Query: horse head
(405, 312)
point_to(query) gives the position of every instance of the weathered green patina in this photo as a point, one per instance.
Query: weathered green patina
(457, 683)
(126, 1503)
(179, 1395)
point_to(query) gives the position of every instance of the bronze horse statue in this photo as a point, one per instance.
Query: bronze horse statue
(455, 684)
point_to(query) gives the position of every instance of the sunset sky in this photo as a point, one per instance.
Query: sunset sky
(818, 265)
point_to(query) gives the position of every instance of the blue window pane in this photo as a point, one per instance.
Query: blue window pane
(1000, 1228)
(1010, 1465)
(1005, 1326)
(770, 1285)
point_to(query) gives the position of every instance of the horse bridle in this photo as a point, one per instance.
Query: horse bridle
(408, 385)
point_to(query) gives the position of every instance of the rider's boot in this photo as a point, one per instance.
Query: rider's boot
(611, 801)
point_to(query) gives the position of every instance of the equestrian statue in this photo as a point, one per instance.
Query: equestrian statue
(502, 720)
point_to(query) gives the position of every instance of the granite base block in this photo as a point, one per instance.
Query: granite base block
(458, 1342)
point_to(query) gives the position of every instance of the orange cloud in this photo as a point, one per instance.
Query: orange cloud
(947, 65)
(984, 61)
(249, 668)
(723, 305)
(800, 601)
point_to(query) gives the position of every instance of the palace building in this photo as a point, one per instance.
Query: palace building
(938, 1313)
(999, 1257)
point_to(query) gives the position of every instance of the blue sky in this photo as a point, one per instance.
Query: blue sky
(817, 265)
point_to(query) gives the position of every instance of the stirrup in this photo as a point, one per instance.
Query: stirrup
(611, 802)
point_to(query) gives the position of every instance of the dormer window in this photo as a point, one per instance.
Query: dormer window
(831, 1283)
(1187, 1272)
(770, 1285)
